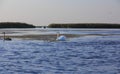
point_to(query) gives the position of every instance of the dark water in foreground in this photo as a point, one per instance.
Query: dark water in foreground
(84, 55)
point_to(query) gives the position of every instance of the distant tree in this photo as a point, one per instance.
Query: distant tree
(84, 25)
(15, 25)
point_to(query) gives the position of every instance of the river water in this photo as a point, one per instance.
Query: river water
(82, 55)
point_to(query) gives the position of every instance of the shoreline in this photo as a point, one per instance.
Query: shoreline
(52, 37)
(45, 37)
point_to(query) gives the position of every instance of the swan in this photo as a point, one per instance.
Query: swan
(60, 37)
(6, 38)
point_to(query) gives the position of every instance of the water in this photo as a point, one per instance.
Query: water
(37, 31)
(83, 55)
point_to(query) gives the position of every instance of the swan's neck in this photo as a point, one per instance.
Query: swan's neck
(58, 34)
(3, 35)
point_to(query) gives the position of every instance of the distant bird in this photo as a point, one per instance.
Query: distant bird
(60, 37)
(6, 38)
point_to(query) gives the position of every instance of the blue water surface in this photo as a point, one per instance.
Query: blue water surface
(83, 55)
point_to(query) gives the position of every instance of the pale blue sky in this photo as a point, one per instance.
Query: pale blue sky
(45, 12)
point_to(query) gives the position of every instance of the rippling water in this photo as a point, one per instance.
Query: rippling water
(83, 55)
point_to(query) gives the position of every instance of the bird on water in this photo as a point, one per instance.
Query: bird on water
(60, 37)
(6, 38)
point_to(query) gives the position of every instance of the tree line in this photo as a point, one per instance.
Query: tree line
(15, 25)
(85, 25)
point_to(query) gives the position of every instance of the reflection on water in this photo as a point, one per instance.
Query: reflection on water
(83, 55)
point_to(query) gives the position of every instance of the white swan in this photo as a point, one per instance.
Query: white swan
(60, 37)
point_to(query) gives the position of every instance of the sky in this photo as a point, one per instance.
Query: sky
(45, 12)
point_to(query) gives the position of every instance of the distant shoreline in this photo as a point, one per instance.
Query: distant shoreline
(85, 25)
(15, 25)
